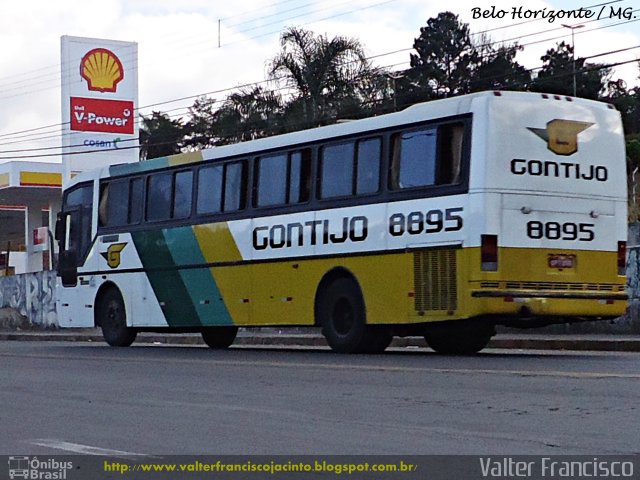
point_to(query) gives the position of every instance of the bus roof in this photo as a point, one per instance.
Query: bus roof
(413, 114)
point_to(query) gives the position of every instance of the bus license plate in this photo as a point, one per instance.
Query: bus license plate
(562, 261)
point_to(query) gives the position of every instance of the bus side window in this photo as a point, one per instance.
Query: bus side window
(102, 206)
(299, 176)
(209, 195)
(283, 178)
(414, 159)
(368, 166)
(271, 178)
(182, 195)
(235, 182)
(450, 137)
(159, 196)
(336, 170)
(118, 203)
(113, 210)
(135, 201)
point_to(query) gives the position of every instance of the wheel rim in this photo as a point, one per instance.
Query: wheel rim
(342, 316)
(113, 312)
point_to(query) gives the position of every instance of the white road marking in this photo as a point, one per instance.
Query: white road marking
(83, 449)
(338, 366)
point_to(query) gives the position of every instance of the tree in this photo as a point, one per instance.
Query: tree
(557, 74)
(160, 136)
(200, 127)
(246, 115)
(446, 58)
(323, 74)
(497, 68)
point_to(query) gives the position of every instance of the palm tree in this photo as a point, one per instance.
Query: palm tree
(324, 74)
(245, 115)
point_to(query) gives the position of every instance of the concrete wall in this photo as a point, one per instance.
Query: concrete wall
(631, 321)
(32, 295)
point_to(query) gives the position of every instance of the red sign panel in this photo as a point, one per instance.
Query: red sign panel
(99, 115)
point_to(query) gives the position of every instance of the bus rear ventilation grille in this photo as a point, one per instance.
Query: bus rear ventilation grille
(434, 274)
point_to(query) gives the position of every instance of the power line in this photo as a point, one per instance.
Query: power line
(54, 76)
(582, 70)
(186, 108)
(22, 86)
(254, 83)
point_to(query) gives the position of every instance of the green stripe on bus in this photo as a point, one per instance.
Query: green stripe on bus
(138, 167)
(201, 286)
(165, 279)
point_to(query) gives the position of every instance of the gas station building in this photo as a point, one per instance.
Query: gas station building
(30, 198)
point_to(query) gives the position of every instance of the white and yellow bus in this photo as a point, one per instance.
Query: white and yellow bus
(442, 220)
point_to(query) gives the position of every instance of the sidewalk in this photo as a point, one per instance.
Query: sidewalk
(273, 337)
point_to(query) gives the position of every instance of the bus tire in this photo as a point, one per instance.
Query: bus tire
(112, 317)
(377, 339)
(342, 316)
(219, 337)
(459, 340)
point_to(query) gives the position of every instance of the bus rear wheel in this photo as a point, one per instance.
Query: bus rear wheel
(377, 339)
(459, 339)
(342, 315)
(112, 318)
(219, 337)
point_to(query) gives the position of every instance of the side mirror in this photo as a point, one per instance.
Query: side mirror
(67, 268)
(59, 232)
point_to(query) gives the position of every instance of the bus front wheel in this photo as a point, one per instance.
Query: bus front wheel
(219, 337)
(112, 318)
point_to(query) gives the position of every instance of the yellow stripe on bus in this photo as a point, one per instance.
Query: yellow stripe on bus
(217, 243)
(185, 158)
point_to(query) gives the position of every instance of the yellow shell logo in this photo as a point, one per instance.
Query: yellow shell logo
(102, 70)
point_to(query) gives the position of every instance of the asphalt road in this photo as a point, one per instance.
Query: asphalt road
(59, 398)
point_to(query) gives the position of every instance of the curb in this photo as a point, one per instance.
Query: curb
(610, 343)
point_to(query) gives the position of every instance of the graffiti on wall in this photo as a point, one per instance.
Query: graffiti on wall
(32, 295)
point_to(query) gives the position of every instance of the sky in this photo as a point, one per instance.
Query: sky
(189, 48)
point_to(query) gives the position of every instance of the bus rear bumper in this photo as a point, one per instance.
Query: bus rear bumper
(560, 295)
(529, 308)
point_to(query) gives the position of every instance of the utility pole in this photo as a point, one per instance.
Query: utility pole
(393, 79)
(573, 46)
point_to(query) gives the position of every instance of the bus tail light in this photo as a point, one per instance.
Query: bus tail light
(622, 258)
(489, 253)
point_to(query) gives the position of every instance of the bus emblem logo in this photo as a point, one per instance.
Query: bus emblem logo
(561, 135)
(112, 255)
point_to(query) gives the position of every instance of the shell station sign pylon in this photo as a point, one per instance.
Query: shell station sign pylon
(99, 98)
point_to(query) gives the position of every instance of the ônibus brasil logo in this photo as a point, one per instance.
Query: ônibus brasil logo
(37, 469)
